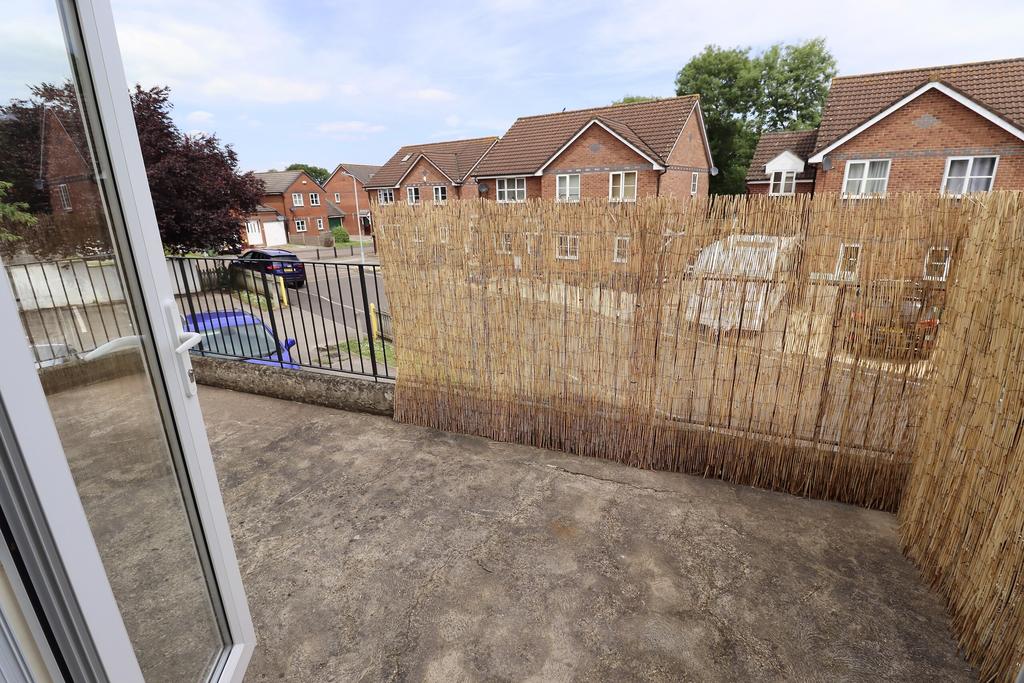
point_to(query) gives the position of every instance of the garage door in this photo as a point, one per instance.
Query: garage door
(275, 233)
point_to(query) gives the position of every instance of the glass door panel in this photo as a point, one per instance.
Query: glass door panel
(74, 272)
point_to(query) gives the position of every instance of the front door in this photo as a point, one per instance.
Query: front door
(110, 502)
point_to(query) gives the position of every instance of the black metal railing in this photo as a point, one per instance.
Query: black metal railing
(295, 314)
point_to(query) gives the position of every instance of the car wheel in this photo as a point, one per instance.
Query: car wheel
(299, 284)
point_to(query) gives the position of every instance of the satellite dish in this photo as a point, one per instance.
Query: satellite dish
(826, 164)
(482, 188)
(714, 170)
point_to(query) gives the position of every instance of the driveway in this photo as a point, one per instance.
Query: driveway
(372, 550)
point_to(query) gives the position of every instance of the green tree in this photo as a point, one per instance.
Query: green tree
(317, 173)
(631, 99)
(743, 95)
(12, 215)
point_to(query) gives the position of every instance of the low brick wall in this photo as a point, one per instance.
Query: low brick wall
(322, 389)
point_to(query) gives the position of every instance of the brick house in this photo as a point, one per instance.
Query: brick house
(303, 205)
(434, 172)
(950, 129)
(346, 187)
(619, 152)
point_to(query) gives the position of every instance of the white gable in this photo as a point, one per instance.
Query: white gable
(787, 161)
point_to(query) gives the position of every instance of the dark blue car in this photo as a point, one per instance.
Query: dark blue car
(274, 262)
(237, 334)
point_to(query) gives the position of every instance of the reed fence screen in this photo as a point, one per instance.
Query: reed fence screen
(864, 351)
(782, 343)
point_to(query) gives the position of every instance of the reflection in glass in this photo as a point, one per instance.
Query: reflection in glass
(57, 249)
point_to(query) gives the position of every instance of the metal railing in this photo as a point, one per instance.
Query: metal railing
(294, 314)
(318, 316)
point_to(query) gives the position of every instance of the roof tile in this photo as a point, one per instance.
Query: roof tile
(771, 145)
(454, 159)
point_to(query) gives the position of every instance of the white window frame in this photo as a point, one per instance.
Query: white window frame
(417, 233)
(621, 175)
(252, 229)
(970, 171)
(319, 223)
(785, 179)
(928, 261)
(505, 194)
(440, 194)
(300, 225)
(314, 199)
(298, 199)
(386, 196)
(337, 197)
(412, 196)
(567, 178)
(694, 183)
(839, 274)
(620, 250)
(571, 244)
(444, 234)
(89, 28)
(530, 249)
(863, 181)
(503, 243)
(65, 196)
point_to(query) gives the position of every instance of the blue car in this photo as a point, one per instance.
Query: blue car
(237, 334)
(275, 263)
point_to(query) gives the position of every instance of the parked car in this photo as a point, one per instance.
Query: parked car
(48, 354)
(276, 262)
(237, 334)
(895, 318)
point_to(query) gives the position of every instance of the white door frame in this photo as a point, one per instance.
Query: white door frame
(93, 45)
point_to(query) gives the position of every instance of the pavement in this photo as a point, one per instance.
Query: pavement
(378, 551)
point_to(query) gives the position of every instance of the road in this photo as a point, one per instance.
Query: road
(333, 292)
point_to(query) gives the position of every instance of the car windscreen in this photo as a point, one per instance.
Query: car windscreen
(251, 340)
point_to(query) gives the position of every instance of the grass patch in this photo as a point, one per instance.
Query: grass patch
(381, 349)
(254, 299)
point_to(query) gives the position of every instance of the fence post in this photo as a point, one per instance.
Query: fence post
(374, 321)
(369, 319)
(273, 319)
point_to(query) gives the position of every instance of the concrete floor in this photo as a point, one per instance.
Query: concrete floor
(372, 550)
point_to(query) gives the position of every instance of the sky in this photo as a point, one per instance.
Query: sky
(324, 82)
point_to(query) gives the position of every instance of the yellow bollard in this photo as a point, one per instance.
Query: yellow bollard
(282, 292)
(373, 321)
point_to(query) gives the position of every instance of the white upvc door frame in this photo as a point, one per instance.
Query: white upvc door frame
(129, 171)
(92, 40)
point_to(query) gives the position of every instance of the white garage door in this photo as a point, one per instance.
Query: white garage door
(274, 231)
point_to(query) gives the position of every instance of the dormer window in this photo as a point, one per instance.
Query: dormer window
(783, 183)
(406, 158)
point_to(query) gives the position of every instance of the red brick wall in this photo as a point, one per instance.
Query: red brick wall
(762, 188)
(594, 155)
(342, 184)
(415, 178)
(919, 137)
(689, 155)
(533, 188)
(282, 203)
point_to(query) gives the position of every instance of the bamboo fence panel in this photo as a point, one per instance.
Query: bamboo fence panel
(710, 337)
(962, 518)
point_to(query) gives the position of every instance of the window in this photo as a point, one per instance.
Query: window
(936, 263)
(568, 248)
(532, 238)
(511, 189)
(300, 225)
(319, 223)
(567, 188)
(252, 231)
(412, 195)
(440, 194)
(503, 243)
(386, 196)
(622, 186)
(848, 261)
(417, 234)
(65, 197)
(969, 174)
(297, 199)
(783, 183)
(337, 197)
(406, 158)
(444, 233)
(314, 199)
(694, 183)
(621, 253)
(866, 178)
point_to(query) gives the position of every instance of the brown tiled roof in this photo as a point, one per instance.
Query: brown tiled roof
(362, 172)
(998, 86)
(276, 182)
(771, 145)
(651, 126)
(454, 159)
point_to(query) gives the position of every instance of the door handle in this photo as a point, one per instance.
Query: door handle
(184, 341)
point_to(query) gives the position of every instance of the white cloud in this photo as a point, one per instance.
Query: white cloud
(349, 127)
(199, 116)
(432, 95)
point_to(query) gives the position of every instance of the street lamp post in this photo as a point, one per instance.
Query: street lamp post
(359, 222)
